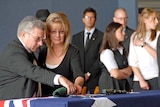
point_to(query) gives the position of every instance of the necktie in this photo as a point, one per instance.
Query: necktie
(87, 39)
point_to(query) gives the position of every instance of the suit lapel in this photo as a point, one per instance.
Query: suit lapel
(82, 40)
(126, 31)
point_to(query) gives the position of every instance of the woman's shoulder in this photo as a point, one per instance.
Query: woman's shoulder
(134, 34)
(106, 55)
(72, 48)
(107, 52)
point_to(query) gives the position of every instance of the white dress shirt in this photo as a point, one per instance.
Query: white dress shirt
(85, 34)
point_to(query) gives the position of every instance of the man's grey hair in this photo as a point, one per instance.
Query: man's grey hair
(28, 23)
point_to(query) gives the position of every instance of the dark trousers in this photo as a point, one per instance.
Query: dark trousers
(153, 84)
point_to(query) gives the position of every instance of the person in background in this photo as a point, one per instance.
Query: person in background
(18, 74)
(88, 42)
(143, 52)
(115, 68)
(59, 56)
(121, 16)
(42, 14)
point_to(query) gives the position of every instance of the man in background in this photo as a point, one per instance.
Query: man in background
(120, 16)
(88, 41)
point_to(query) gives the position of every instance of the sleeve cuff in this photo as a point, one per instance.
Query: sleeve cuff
(88, 74)
(55, 81)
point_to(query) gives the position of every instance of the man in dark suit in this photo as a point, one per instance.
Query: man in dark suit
(120, 16)
(88, 42)
(18, 74)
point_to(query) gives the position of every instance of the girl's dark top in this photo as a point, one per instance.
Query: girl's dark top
(107, 82)
(70, 67)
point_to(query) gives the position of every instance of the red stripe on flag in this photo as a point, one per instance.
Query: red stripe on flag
(24, 103)
(2, 103)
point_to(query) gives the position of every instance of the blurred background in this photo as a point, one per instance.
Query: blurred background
(13, 11)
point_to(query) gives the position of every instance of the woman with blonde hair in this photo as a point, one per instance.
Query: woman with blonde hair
(59, 56)
(142, 54)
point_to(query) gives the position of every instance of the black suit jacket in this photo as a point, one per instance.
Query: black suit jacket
(89, 57)
(18, 76)
(126, 41)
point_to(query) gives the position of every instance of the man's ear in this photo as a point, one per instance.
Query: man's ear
(83, 20)
(22, 34)
(114, 19)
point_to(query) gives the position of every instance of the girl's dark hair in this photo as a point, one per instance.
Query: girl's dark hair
(109, 40)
